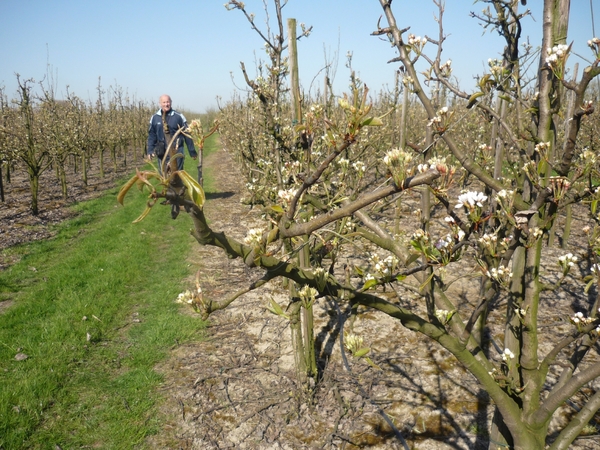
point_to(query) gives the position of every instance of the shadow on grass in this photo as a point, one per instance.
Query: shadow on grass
(216, 195)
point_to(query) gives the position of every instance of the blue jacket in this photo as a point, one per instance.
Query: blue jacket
(175, 120)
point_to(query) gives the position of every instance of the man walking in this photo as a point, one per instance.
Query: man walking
(163, 126)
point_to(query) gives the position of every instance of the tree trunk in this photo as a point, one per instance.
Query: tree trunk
(34, 182)
(113, 156)
(297, 340)
(1, 185)
(63, 180)
(101, 154)
(84, 167)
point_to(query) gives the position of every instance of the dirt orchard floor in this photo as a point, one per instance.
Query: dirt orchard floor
(237, 389)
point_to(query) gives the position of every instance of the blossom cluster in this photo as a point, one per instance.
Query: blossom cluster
(580, 321)
(320, 276)
(441, 121)
(416, 43)
(290, 168)
(446, 69)
(566, 262)
(560, 186)
(594, 44)
(520, 312)
(383, 267)
(530, 169)
(502, 275)
(308, 295)
(439, 164)
(397, 157)
(409, 83)
(507, 355)
(441, 251)
(588, 158)
(254, 236)
(185, 297)
(444, 242)
(359, 166)
(353, 342)
(536, 233)
(490, 243)
(398, 161)
(557, 58)
(251, 185)
(556, 52)
(497, 70)
(457, 232)
(420, 236)
(470, 200)
(485, 149)
(286, 195)
(444, 315)
(505, 198)
(543, 148)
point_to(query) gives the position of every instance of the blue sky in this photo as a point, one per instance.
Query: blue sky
(190, 48)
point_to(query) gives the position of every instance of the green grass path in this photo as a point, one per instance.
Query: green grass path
(94, 312)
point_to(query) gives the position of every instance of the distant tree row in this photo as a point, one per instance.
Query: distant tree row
(40, 132)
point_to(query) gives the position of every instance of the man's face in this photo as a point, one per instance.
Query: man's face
(165, 103)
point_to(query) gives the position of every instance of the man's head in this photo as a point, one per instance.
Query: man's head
(165, 103)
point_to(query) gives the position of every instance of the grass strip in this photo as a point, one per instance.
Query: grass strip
(93, 309)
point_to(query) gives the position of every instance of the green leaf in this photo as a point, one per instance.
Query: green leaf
(435, 254)
(193, 187)
(483, 81)
(372, 122)
(272, 235)
(144, 214)
(473, 99)
(369, 284)
(417, 246)
(125, 189)
(412, 258)
(362, 352)
(276, 309)
(588, 286)
(277, 208)
(427, 281)
(372, 364)
(322, 282)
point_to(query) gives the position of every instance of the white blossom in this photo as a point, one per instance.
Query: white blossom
(254, 236)
(507, 354)
(471, 199)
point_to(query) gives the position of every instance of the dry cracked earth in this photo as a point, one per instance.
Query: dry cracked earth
(238, 388)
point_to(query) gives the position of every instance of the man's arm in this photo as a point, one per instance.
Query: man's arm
(152, 138)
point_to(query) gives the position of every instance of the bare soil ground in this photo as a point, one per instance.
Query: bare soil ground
(238, 389)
